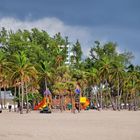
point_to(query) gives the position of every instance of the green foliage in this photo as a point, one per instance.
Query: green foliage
(38, 60)
(77, 54)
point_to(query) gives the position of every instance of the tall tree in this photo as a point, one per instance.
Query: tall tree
(21, 69)
(77, 54)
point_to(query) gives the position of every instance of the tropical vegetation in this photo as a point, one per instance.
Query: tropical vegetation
(31, 61)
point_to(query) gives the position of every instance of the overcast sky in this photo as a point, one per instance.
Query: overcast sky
(86, 20)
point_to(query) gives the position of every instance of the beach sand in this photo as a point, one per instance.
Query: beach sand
(87, 125)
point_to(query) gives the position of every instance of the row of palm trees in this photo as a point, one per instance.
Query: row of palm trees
(116, 80)
(32, 61)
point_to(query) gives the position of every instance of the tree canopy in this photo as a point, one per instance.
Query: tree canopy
(35, 60)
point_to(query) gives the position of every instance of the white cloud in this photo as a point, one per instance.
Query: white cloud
(52, 26)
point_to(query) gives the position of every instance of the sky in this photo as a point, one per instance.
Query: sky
(86, 20)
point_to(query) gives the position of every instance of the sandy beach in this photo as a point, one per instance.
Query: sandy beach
(87, 125)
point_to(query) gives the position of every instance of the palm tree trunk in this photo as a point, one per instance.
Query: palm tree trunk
(4, 102)
(101, 102)
(27, 103)
(19, 94)
(60, 102)
(33, 99)
(111, 101)
(22, 96)
(45, 83)
(71, 100)
(130, 105)
(105, 102)
(14, 99)
(126, 101)
(118, 98)
(51, 102)
(73, 104)
(1, 99)
(134, 103)
(79, 108)
(97, 102)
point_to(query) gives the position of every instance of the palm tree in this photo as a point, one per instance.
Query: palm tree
(61, 80)
(118, 74)
(77, 55)
(44, 72)
(21, 69)
(133, 80)
(105, 66)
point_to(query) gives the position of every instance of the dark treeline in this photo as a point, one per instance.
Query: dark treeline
(33, 61)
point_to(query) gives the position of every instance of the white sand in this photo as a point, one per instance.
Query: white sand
(90, 125)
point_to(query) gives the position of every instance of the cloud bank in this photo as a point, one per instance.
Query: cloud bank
(52, 26)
